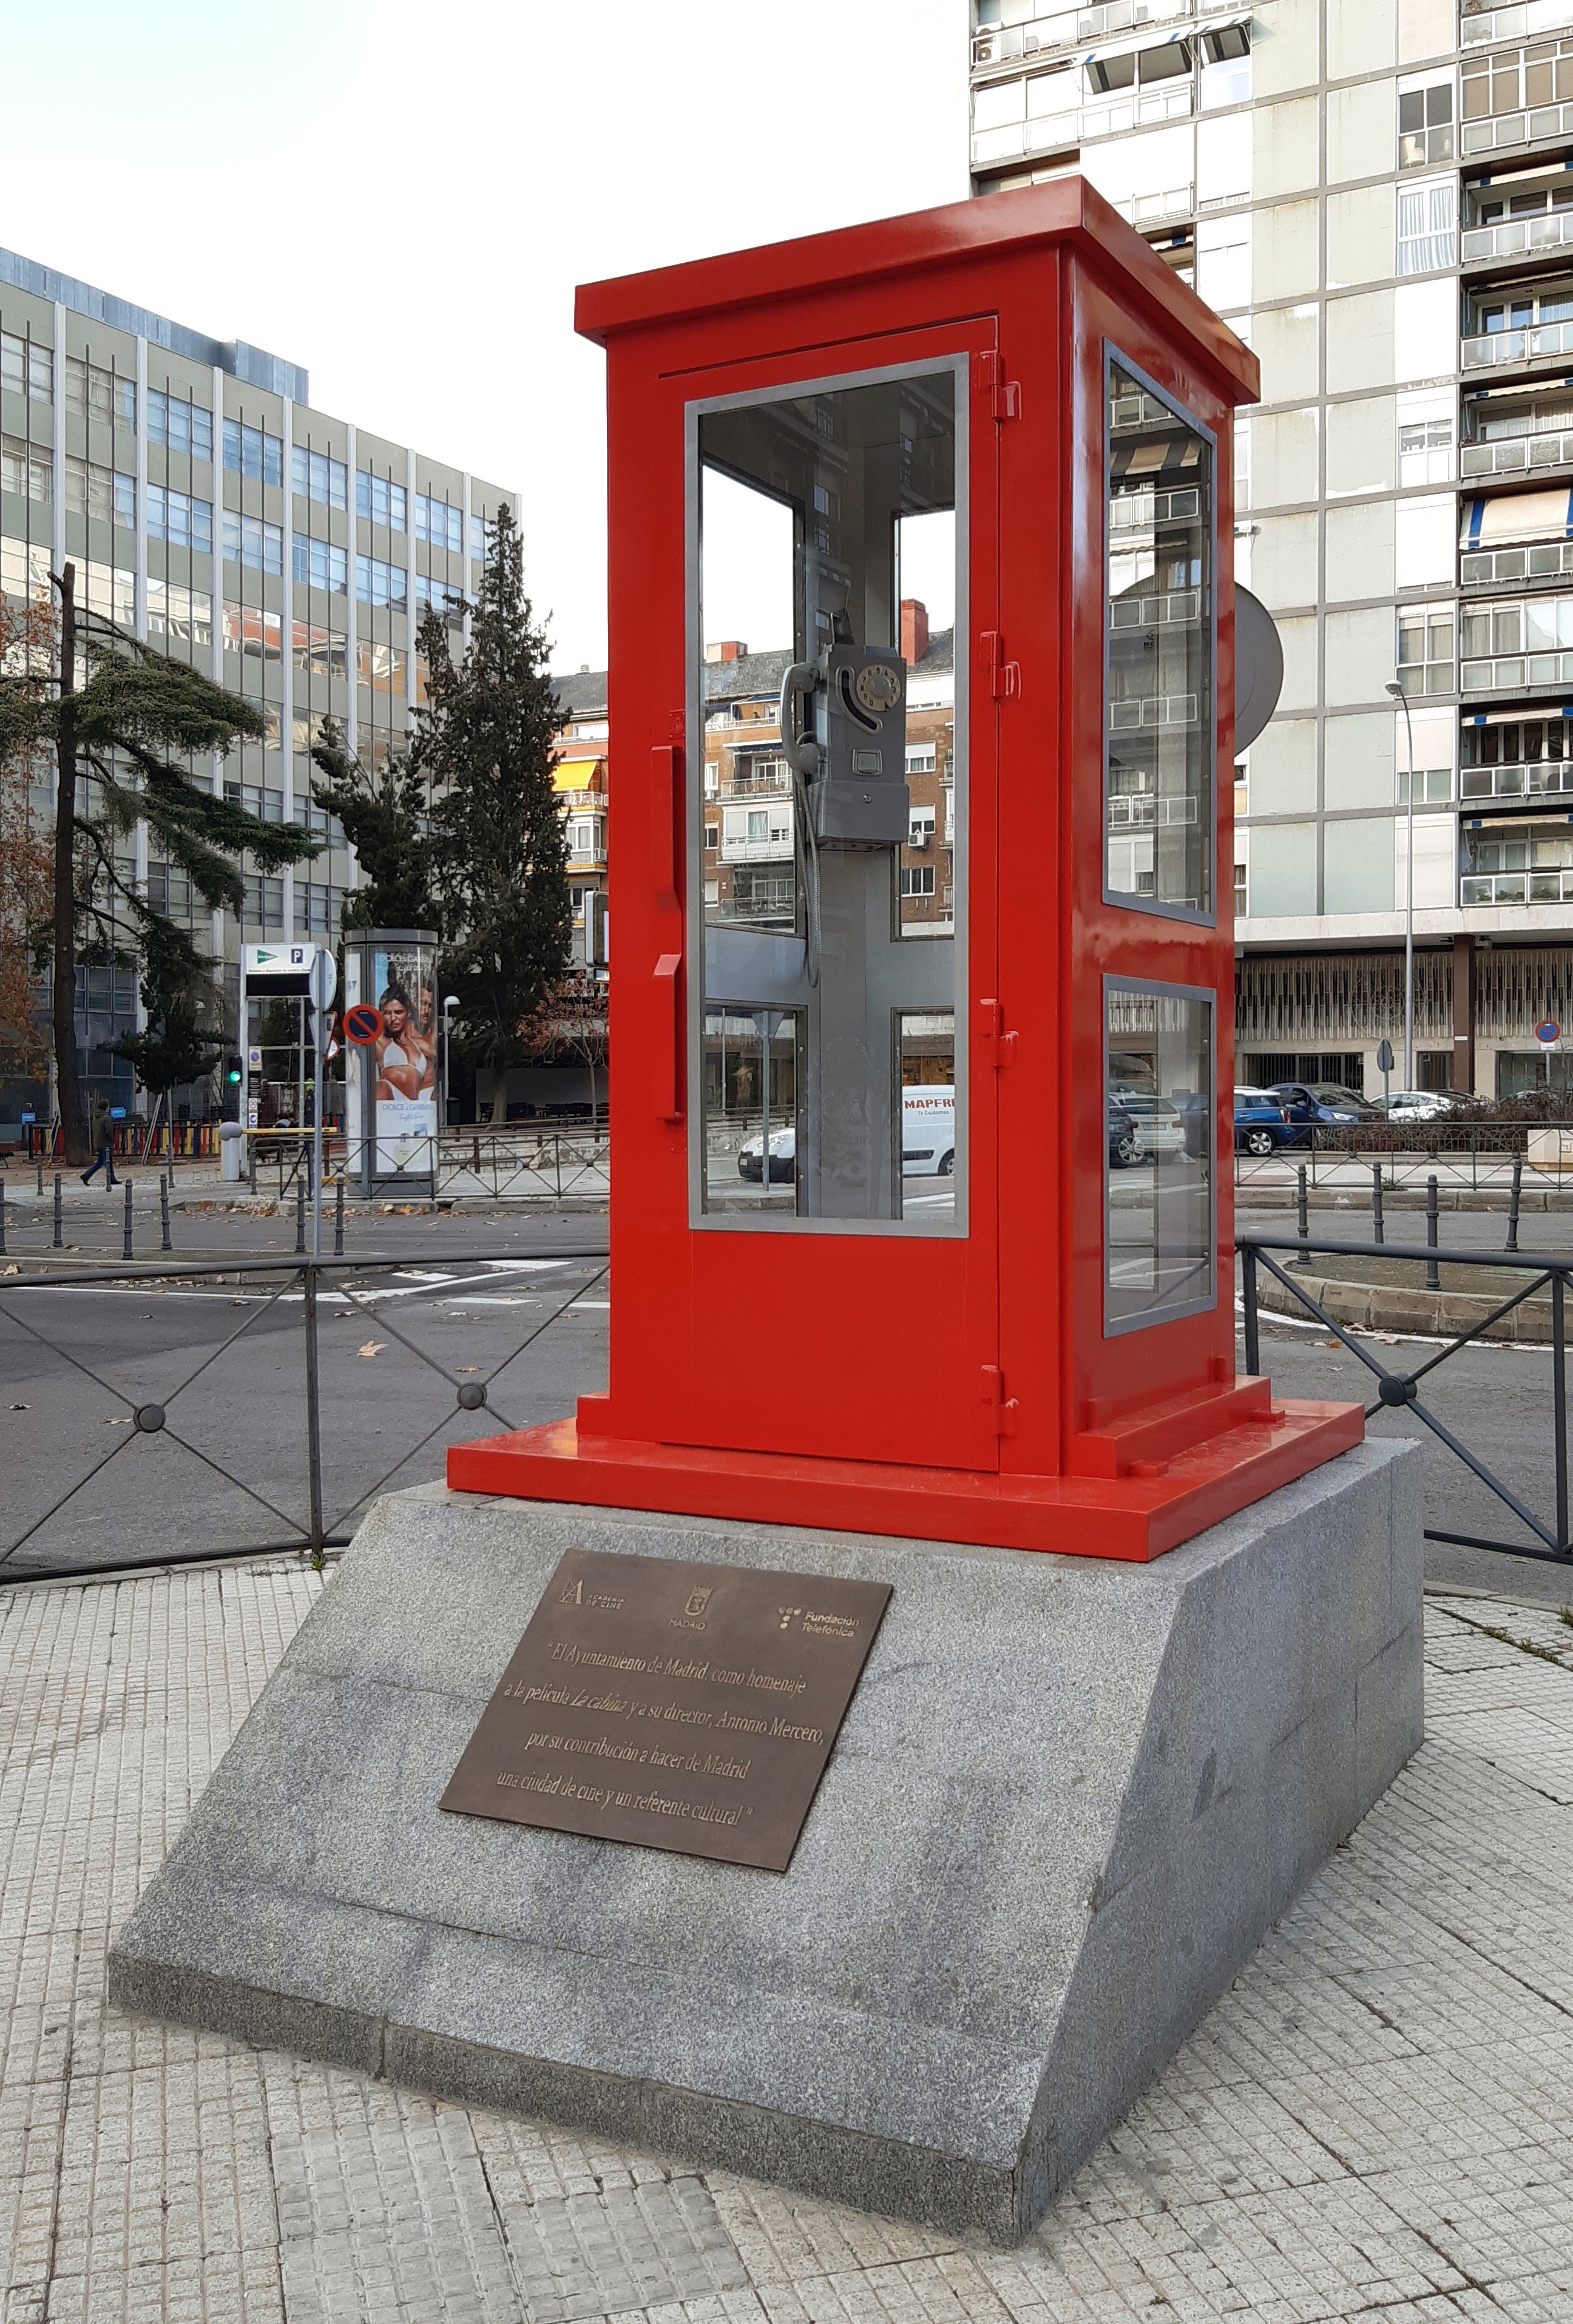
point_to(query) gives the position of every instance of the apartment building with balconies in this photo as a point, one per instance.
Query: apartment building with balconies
(1378, 196)
(212, 510)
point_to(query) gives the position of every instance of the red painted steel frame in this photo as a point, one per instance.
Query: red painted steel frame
(959, 1388)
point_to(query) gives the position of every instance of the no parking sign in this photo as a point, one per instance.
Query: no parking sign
(363, 1024)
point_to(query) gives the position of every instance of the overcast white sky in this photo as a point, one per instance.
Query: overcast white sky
(403, 198)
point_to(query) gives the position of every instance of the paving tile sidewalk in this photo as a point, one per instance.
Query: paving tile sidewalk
(1377, 2120)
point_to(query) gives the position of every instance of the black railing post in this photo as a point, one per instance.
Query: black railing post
(60, 1241)
(1560, 1405)
(165, 1244)
(299, 1218)
(126, 1251)
(1381, 1235)
(1248, 1288)
(38, 1158)
(1301, 1217)
(338, 1220)
(313, 1417)
(1433, 1280)
(2, 1218)
(1518, 1172)
(251, 1165)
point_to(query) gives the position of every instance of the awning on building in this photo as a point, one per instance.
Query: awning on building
(576, 774)
(1517, 516)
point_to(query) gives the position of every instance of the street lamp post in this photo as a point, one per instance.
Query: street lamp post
(1401, 698)
(448, 1006)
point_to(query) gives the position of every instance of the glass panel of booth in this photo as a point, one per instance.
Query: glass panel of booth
(1159, 1258)
(1161, 623)
(828, 816)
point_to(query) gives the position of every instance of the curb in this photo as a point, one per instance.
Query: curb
(1390, 1307)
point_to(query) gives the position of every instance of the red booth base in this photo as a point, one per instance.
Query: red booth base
(1133, 1516)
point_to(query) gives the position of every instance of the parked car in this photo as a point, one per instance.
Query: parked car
(1414, 1105)
(1322, 1101)
(928, 1130)
(1125, 1132)
(1262, 1123)
(1159, 1120)
(783, 1157)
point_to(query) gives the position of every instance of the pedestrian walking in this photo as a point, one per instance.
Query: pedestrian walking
(103, 1137)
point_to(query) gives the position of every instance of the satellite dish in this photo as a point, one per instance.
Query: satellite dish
(1258, 668)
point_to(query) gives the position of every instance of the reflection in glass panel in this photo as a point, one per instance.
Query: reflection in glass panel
(1161, 612)
(926, 1064)
(827, 815)
(1158, 1256)
(750, 1109)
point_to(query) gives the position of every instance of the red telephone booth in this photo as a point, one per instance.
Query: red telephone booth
(819, 1317)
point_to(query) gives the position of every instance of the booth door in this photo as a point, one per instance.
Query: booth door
(840, 904)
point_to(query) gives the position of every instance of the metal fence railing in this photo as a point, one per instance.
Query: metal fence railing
(1483, 1157)
(249, 1409)
(1398, 1387)
(524, 1163)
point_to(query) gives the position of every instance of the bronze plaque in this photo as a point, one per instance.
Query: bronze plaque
(685, 1707)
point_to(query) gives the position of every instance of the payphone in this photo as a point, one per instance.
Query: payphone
(921, 1222)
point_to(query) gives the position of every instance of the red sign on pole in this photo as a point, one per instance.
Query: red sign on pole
(363, 1024)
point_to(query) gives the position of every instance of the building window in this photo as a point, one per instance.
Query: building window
(1159, 737)
(321, 565)
(1428, 227)
(111, 590)
(920, 758)
(94, 392)
(1425, 124)
(1527, 642)
(253, 630)
(318, 908)
(441, 524)
(25, 568)
(442, 596)
(252, 452)
(176, 423)
(101, 492)
(26, 469)
(917, 879)
(26, 368)
(921, 827)
(1425, 452)
(1516, 863)
(377, 583)
(320, 652)
(251, 541)
(182, 520)
(1430, 785)
(1241, 896)
(379, 500)
(178, 617)
(483, 538)
(381, 667)
(1425, 651)
(264, 899)
(318, 476)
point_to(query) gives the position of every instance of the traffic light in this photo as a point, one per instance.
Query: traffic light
(232, 1073)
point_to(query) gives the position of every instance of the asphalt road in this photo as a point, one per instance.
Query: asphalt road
(501, 1299)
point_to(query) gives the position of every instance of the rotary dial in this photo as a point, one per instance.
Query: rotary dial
(877, 686)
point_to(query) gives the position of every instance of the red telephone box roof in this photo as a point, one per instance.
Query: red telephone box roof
(1067, 210)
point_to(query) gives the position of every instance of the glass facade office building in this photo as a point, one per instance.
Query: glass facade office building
(211, 509)
(1378, 196)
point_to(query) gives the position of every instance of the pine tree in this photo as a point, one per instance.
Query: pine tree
(498, 846)
(384, 819)
(128, 726)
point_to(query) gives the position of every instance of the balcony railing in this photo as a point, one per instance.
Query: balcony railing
(1152, 710)
(1140, 810)
(1170, 611)
(1545, 561)
(1528, 126)
(1484, 27)
(1540, 779)
(1518, 456)
(1014, 141)
(1516, 888)
(1063, 28)
(777, 849)
(1492, 348)
(1518, 237)
(1496, 673)
(1153, 209)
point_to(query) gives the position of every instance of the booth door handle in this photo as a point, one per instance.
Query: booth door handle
(669, 1037)
(666, 766)
(1005, 677)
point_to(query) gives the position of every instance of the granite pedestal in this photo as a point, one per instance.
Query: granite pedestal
(1068, 1799)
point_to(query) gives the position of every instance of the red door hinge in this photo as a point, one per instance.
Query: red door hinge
(1004, 677)
(1004, 395)
(997, 1045)
(1005, 1409)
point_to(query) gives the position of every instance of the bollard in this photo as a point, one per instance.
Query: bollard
(339, 1222)
(251, 1163)
(164, 1214)
(60, 1241)
(1379, 1235)
(2, 1218)
(126, 1252)
(1433, 1280)
(40, 1160)
(1302, 1227)
(1518, 1172)
(299, 1218)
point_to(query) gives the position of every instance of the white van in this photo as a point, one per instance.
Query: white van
(929, 1131)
